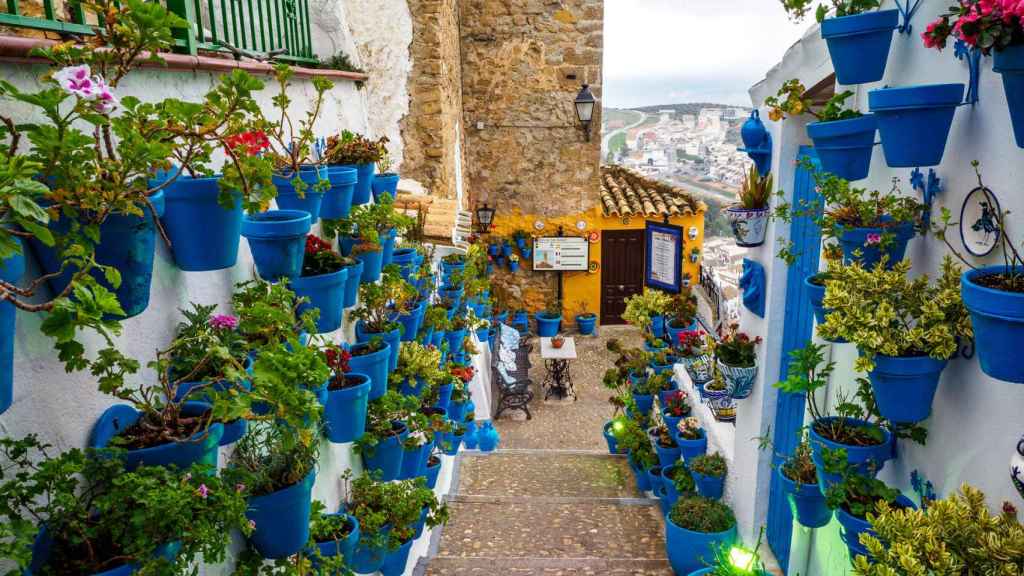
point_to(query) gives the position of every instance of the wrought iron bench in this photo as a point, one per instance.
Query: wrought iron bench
(518, 394)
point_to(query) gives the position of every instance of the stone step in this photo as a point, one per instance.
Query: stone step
(550, 530)
(546, 474)
(544, 567)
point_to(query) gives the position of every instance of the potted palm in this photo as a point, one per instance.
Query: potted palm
(736, 357)
(694, 529)
(748, 218)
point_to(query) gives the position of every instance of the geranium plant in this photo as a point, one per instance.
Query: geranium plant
(377, 301)
(691, 343)
(792, 100)
(989, 25)
(268, 313)
(682, 310)
(678, 404)
(320, 258)
(737, 348)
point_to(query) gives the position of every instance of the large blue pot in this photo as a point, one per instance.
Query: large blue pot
(126, 243)
(585, 324)
(361, 193)
(395, 561)
(354, 279)
(852, 527)
(412, 461)
(548, 325)
(368, 559)
(666, 456)
(384, 184)
(905, 387)
(282, 519)
(709, 486)
(326, 293)
(1009, 62)
(201, 448)
(393, 338)
(11, 270)
(914, 122)
(43, 544)
(845, 146)
(374, 365)
(387, 454)
(191, 205)
(337, 202)
(277, 240)
(345, 410)
(865, 460)
(690, 449)
(998, 320)
(288, 197)
(644, 402)
(806, 502)
(433, 471)
(345, 547)
(411, 322)
(859, 45)
(688, 550)
(456, 340)
(373, 262)
(857, 239)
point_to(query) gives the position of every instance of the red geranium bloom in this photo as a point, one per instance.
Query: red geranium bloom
(251, 143)
(337, 359)
(315, 244)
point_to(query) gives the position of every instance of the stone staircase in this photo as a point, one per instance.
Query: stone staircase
(547, 512)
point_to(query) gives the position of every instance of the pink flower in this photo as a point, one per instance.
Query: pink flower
(874, 239)
(252, 524)
(223, 322)
(106, 102)
(76, 80)
(203, 491)
(239, 487)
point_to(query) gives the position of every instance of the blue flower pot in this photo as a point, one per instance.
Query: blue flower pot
(413, 387)
(914, 122)
(456, 340)
(412, 461)
(433, 471)
(690, 449)
(658, 326)
(374, 365)
(403, 256)
(666, 456)
(852, 527)
(655, 479)
(905, 387)
(806, 502)
(346, 243)
(506, 250)
(232, 430)
(191, 205)
(816, 296)
(472, 438)
(548, 325)
(688, 550)
(709, 486)
(392, 338)
(387, 454)
(513, 266)
(345, 547)
(364, 183)
(373, 262)
(527, 253)
(859, 45)
(643, 481)
(866, 460)
(368, 559)
(664, 501)
(857, 239)
(395, 561)
(337, 202)
(326, 293)
(444, 396)
(644, 402)
(437, 338)
(483, 334)
(456, 411)
(453, 441)
(288, 197)
(11, 270)
(668, 475)
(586, 323)
(345, 410)
(411, 322)
(126, 243)
(352, 282)
(998, 320)
(672, 331)
(671, 421)
(277, 240)
(201, 448)
(43, 545)
(282, 519)
(384, 184)
(1009, 62)
(388, 247)
(844, 146)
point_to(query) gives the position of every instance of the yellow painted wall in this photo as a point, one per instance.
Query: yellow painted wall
(584, 286)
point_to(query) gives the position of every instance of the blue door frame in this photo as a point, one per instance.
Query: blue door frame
(797, 331)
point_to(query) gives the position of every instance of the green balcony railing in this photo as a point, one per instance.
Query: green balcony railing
(249, 27)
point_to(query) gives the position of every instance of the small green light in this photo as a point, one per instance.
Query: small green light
(617, 426)
(741, 558)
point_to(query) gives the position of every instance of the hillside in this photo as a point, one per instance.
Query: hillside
(686, 108)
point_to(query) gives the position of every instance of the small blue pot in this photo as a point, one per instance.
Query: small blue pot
(345, 547)
(472, 438)
(690, 449)
(672, 422)
(456, 411)
(456, 340)
(853, 527)
(437, 338)
(393, 339)
(288, 197)
(374, 365)
(352, 281)
(658, 326)
(688, 550)
(413, 387)
(914, 122)
(413, 461)
(395, 561)
(388, 247)
(709, 486)
(905, 387)
(866, 460)
(191, 205)
(384, 184)
(326, 293)
(432, 473)
(444, 396)
(282, 519)
(845, 146)
(806, 502)
(816, 296)
(365, 173)
(668, 480)
(1009, 63)
(337, 202)
(644, 402)
(277, 240)
(368, 559)
(527, 253)
(202, 448)
(411, 322)
(859, 45)
(453, 442)
(373, 262)
(387, 454)
(643, 481)
(513, 266)
(11, 270)
(654, 477)
(548, 325)
(998, 320)
(586, 323)
(345, 410)
(233, 430)
(856, 239)
(506, 250)
(666, 456)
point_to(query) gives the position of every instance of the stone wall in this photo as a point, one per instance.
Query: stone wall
(522, 64)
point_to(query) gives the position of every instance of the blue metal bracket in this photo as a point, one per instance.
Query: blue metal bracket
(907, 11)
(924, 489)
(928, 192)
(973, 57)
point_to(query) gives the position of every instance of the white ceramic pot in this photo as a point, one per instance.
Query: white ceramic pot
(748, 226)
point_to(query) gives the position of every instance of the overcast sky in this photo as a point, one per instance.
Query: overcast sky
(673, 51)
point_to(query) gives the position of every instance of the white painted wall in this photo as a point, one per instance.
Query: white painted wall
(974, 425)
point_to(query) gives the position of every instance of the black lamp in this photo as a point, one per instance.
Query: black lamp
(484, 218)
(585, 102)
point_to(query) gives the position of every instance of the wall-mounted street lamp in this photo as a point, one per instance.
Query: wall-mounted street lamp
(585, 103)
(484, 218)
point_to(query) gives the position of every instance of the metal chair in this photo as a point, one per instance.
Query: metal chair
(518, 394)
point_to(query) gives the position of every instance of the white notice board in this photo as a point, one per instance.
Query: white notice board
(561, 253)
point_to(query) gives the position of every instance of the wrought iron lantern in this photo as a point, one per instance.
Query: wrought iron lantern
(484, 218)
(585, 103)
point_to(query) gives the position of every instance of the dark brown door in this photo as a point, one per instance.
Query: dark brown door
(622, 271)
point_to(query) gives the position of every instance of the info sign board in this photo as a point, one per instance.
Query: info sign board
(664, 256)
(558, 253)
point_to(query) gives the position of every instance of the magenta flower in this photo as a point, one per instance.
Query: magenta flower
(76, 80)
(203, 490)
(874, 239)
(223, 322)
(252, 524)
(239, 487)
(106, 102)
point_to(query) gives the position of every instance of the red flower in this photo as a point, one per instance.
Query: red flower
(337, 359)
(250, 143)
(464, 373)
(315, 245)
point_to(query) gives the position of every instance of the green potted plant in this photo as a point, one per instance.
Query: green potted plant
(906, 330)
(691, 347)
(334, 537)
(694, 529)
(415, 508)
(419, 370)
(385, 181)
(665, 445)
(736, 358)
(675, 407)
(427, 425)
(678, 482)
(748, 218)
(647, 311)
(586, 321)
(322, 283)
(691, 437)
(381, 446)
(348, 394)
(375, 316)
(709, 471)
(799, 477)
(549, 320)
(268, 313)
(855, 499)
(681, 315)
(352, 150)
(633, 438)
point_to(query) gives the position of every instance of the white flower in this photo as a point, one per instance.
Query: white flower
(77, 81)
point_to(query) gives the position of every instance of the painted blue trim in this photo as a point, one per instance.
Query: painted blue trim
(677, 232)
(752, 284)
(797, 331)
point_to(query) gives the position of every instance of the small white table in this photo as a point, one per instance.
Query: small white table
(558, 380)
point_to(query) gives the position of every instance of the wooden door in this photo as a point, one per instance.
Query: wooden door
(622, 271)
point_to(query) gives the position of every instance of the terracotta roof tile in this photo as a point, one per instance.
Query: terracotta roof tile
(626, 193)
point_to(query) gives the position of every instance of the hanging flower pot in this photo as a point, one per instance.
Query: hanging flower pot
(866, 460)
(11, 270)
(806, 502)
(456, 341)
(452, 442)
(364, 181)
(384, 184)
(444, 396)
(410, 322)
(345, 409)
(739, 379)
(282, 519)
(43, 545)
(852, 527)
(914, 122)
(353, 279)
(373, 262)
(277, 240)
(326, 293)
(386, 457)
(200, 448)
(814, 286)
(748, 226)
(337, 200)
(859, 45)
(513, 266)
(288, 197)
(904, 387)
(548, 325)
(998, 320)
(433, 470)
(1009, 62)
(868, 242)
(345, 546)
(393, 339)
(643, 480)
(844, 146)
(191, 205)
(688, 550)
(373, 363)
